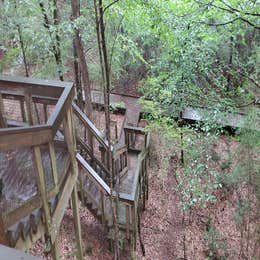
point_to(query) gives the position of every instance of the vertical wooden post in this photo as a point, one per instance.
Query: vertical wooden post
(30, 109)
(3, 123)
(53, 164)
(71, 145)
(103, 209)
(23, 114)
(36, 113)
(77, 222)
(45, 113)
(3, 238)
(43, 193)
(127, 221)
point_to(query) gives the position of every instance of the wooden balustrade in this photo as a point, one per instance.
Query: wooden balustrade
(30, 134)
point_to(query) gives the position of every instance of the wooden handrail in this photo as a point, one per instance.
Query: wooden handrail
(60, 109)
(11, 138)
(93, 175)
(99, 163)
(49, 88)
(137, 130)
(90, 125)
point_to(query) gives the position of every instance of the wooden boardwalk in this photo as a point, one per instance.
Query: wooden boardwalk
(18, 176)
(233, 120)
(132, 116)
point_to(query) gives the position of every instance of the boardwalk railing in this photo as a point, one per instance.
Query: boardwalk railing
(129, 203)
(98, 192)
(39, 111)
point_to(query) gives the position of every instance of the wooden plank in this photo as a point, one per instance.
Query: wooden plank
(93, 175)
(25, 209)
(61, 109)
(3, 238)
(137, 130)
(29, 109)
(19, 95)
(41, 184)
(53, 163)
(87, 150)
(90, 125)
(44, 197)
(48, 88)
(62, 204)
(12, 138)
(23, 114)
(127, 221)
(3, 123)
(77, 225)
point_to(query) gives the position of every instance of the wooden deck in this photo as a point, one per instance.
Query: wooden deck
(233, 120)
(18, 176)
(126, 184)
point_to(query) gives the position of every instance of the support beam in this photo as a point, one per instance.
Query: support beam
(3, 123)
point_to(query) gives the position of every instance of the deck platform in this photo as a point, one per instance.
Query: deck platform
(18, 176)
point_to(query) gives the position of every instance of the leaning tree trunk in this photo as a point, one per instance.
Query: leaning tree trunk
(20, 35)
(105, 68)
(82, 60)
(55, 43)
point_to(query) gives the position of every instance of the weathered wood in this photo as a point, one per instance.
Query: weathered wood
(127, 221)
(23, 114)
(3, 238)
(61, 109)
(14, 138)
(43, 192)
(62, 204)
(30, 109)
(19, 95)
(49, 88)
(3, 123)
(53, 163)
(93, 175)
(85, 120)
(24, 210)
(77, 225)
(71, 143)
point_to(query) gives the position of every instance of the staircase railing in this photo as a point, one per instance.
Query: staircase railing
(91, 142)
(98, 191)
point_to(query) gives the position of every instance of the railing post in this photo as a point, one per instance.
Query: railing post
(43, 193)
(103, 209)
(23, 114)
(3, 238)
(71, 144)
(3, 123)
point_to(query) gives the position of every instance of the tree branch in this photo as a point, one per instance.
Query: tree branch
(237, 10)
(110, 5)
(221, 24)
(250, 23)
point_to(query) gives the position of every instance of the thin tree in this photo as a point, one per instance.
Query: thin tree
(80, 55)
(105, 69)
(21, 41)
(55, 42)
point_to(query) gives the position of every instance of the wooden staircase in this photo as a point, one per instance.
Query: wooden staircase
(59, 156)
(129, 174)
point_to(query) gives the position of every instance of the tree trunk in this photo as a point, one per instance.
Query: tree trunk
(55, 44)
(77, 76)
(100, 27)
(20, 35)
(82, 60)
(56, 20)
